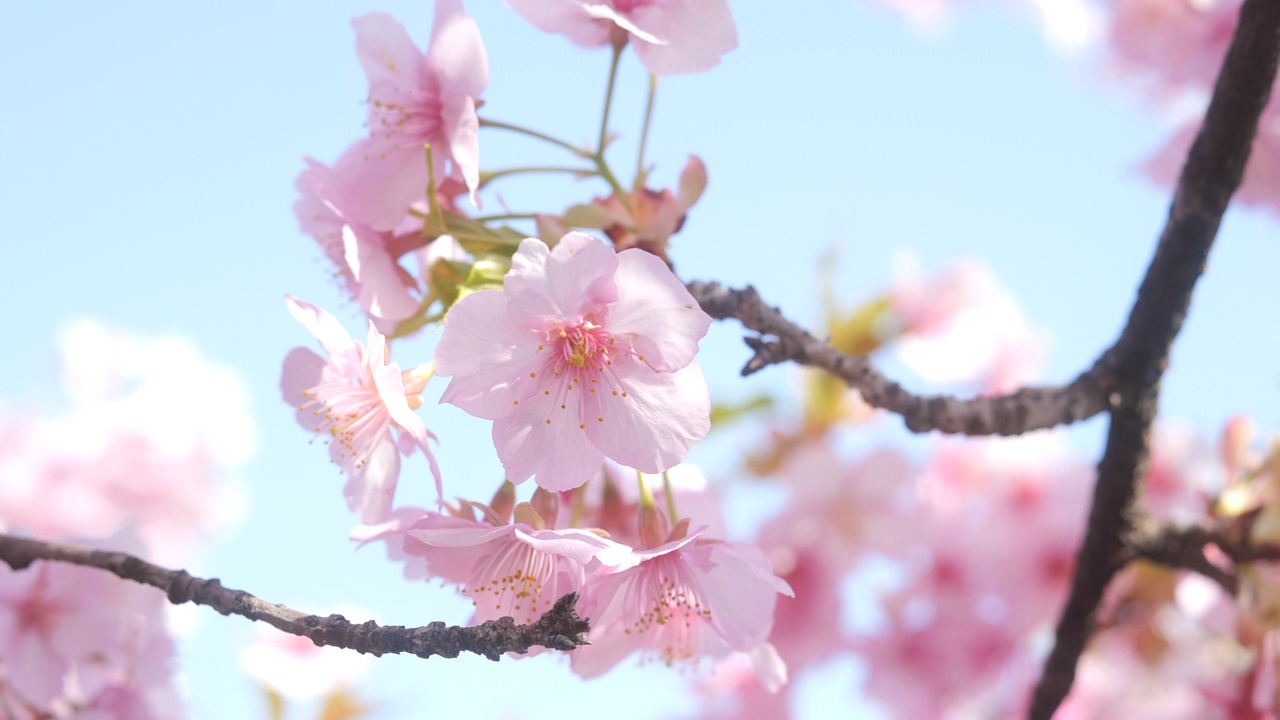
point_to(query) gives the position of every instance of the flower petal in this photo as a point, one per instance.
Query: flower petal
(332, 336)
(655, 313)
(650, 429)
(486, 354)
(564, 283)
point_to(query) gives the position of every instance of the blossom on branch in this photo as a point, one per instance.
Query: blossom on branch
(670, 36)
(415, 100)
(682, 601)
(363, 402)
(363, 256)
(585, 354)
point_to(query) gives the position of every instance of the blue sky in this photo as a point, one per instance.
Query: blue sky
(149, 154)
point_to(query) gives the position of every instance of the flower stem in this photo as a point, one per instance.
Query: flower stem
(608, 98)
(644, 133)
(646, 497)
(489, 176)
(671, 498)
(505, 216)
(485, 122)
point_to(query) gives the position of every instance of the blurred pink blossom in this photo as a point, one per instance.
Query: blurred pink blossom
(299, 669)
(585, 350)
(963, 326)
(132, 453)
(670, 36)
(77, 637)
(415, 100)
(361, 401)
(363, 257)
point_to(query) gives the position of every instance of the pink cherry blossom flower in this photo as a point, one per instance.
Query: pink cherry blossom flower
(518, 570)
(362, 401)
(363, 256)
(682, 601)
(654, 216)
(585, 353)
(670, 36)
(71, 635)
(415, 100)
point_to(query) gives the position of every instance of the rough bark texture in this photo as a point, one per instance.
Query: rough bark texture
(559, 628)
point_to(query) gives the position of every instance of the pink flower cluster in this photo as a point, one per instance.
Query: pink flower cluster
(668, 592)
(131, 466)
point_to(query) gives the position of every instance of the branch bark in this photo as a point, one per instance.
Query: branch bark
(1213, 170)
(781, 340)
(559, 628)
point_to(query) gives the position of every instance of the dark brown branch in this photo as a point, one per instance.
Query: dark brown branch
(559, 628)
(1018, 412)
(1214, 168)
(1183, 547)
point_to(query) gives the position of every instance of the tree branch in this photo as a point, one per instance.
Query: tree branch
(559, 628)
(1214, 168)
(1013, 414)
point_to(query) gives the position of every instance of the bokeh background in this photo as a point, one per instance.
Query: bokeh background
(147, 158)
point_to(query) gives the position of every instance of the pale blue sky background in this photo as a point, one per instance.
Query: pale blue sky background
(147, 159)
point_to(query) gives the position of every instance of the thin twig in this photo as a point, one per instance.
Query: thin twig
(559, 628)
(1214, 168)
(1012, 414)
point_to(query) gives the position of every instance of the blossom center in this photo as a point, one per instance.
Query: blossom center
(406, 117)
(516, 580)
(577, 371)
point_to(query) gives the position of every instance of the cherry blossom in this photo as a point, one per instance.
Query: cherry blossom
(670, 37)
(129, 454)
(360, 400)
(518, 569)
(362, 256)
(415, 100)
(647, 218)
(72, 636)
(682, 601)
(585, 350)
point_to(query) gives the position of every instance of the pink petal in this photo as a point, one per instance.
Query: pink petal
(693, 180)
(302, 371)
(485, 354)
(371, 487)
(382, 293)
(380, 179)
(581, 546)
(559, 454)
(332, 336)
(742, 597)
(650, 429)
(462, 132)
(574, 278)
(655, 313)
(458, 61)
(390, 59)
(694, 34)
(563, 17)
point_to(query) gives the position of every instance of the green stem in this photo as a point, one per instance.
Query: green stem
(485, 122)
(491, 175)
(671, 498)
(644, 130)
(608, 99)
(505, 216)
(646, 497)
